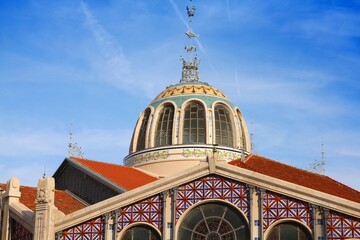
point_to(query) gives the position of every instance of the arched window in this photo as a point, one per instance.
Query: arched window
(164, 126)
(242, 131)
(142, 232)
(215, 221)
(194, 123)
(142, 133)
(223, 126)
(289, 230)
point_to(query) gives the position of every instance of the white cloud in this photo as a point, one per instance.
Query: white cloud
(111, 62)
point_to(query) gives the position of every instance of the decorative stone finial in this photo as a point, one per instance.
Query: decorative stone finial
(45, 191)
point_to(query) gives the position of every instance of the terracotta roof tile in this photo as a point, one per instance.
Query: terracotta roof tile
(123, 176)
(63, 201)
(298, 176)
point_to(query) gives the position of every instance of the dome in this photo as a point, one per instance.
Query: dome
(183, 125)
(187, 122)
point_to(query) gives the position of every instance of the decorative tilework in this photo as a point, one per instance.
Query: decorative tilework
(149, 211)
(212, 187)
(278, 207)
(340, 226)
(18, 232)
(190, 90)
(90, 230)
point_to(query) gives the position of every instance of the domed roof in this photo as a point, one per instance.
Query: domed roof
(190, 88)
(185, 123)
(181, 92)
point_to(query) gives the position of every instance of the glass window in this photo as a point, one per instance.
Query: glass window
(194, 123)
(242, 132)
(215, 221)
(163, 133)
(141, 232)
(223, 126)
(142, 133)
(289, 231)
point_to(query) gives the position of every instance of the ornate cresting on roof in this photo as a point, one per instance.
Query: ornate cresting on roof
(190, 68)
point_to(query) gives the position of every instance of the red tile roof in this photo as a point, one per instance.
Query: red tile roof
(63, 201)
(125, 177)
(298, 176)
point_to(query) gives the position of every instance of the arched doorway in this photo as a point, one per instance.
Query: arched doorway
(213, 221)
(141, 232)
(289, 230)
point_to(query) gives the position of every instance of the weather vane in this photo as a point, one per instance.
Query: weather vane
(74, 149)
(190, 68)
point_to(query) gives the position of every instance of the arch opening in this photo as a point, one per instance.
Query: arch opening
(289, 231)
(142, 232)
(213, 221)
(142, 133)
(223, 126)
(194, 128)
(164, 126)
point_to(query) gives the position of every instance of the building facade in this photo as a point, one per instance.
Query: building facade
(189, 175)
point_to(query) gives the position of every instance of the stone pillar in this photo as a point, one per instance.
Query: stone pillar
(254, 213)
(172, 223)
(167, 215)
(318, 223)
(260, 196)
(45, 211)
(325, 216)
(108, 226)
(11, 195)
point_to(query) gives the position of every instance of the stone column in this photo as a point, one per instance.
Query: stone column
(167, 215)
(172, 223)
(254, 213)
(11, 195)
(325, 216)
(45, 211)
(260, 196)
(318, 222)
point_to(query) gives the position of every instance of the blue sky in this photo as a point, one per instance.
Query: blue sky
(292, 67)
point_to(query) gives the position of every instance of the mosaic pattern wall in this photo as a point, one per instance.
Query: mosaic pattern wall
(278, 207)
(340, 226)
(149, 211)
(212, 187)
(90, 230)
(18, 232)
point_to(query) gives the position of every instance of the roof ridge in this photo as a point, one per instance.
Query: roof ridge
(97, 161)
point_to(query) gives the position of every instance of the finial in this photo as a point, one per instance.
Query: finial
(74, 149)
(190, 68)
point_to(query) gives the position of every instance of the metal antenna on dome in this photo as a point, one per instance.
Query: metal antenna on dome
(190, 68)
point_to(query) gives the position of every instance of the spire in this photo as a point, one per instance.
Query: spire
(190, 67)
